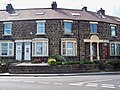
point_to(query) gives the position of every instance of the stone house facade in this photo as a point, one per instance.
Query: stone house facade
(26, 34)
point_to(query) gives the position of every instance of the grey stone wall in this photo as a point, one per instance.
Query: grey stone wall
(55, 31)
(53, 69)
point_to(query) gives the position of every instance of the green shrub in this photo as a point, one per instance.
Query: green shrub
(58, 63)
(86, 62)
(70, 62)
(58, 58)
(114, 63)
(109, 62)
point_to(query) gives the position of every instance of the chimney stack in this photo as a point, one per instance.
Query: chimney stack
(101, 11)
(84, 8)
(10, 9)
(54, 5)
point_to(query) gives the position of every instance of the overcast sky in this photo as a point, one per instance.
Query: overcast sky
(112, 7)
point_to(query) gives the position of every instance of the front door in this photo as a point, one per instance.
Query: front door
(27, 51)
(18, 51)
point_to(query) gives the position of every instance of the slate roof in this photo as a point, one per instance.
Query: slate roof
(59, 13)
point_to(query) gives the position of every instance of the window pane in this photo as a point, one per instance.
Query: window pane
(64, 51)
(8, 25)
(93, 28)
(7, 32)
(4, 48)
(68, 27)
(70, 45)
(33, 48)
(69, 48)
(45, 48)
(4, 52)
(63, 43)
(7, 28)
(113, 31)
(69, 51)
(40, 27)
(10, 49)
(39, 48)
(118, 49)
(112, 49)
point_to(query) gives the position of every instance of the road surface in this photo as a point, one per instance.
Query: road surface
(92, 82)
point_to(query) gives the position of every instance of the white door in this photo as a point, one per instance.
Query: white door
(18, 51)
(27, 51)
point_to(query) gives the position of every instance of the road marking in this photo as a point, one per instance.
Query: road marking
(108, 86)
(58, 83)
(29, 81)
(15, 80)
(97, 81)
(75, 84)
(81, 83)
(44, 82)
(92, 84)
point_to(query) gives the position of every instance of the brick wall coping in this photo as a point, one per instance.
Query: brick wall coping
(32, 64)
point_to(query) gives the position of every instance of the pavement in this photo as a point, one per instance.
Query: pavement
(66, 74)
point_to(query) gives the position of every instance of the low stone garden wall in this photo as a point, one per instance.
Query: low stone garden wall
(78, 68)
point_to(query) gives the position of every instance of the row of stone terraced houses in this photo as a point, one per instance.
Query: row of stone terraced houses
(26, 34)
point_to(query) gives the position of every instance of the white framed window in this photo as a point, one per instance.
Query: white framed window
(7, 48)
(7, 28)
(93, 27)
(40, 48)
(113, 30)
(68, 26)
(69, 48)
(40, 27)
(115, 48)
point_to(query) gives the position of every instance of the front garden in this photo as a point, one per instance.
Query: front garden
(58, 64)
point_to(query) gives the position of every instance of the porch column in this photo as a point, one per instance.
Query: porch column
(98, 57)
(91, 56)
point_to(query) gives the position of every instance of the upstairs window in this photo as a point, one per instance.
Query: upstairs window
(40, 27)
(7, 28)
(68, 27)
(113, 30)
(93, 27)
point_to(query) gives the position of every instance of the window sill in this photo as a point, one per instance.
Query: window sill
(68, 33)
(70, 55)
(40, 56)
(115, 55)
(114, 36)
(7, 35)
(40, 34)
(6, 56)
(94, 33)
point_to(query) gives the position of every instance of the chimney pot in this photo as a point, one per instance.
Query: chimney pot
(54, 5)
(101, 11)
(10, 9)
(84, 8)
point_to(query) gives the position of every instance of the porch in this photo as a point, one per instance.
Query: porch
(95, 48)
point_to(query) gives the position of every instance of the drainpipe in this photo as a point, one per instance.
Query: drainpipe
(78, 41)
